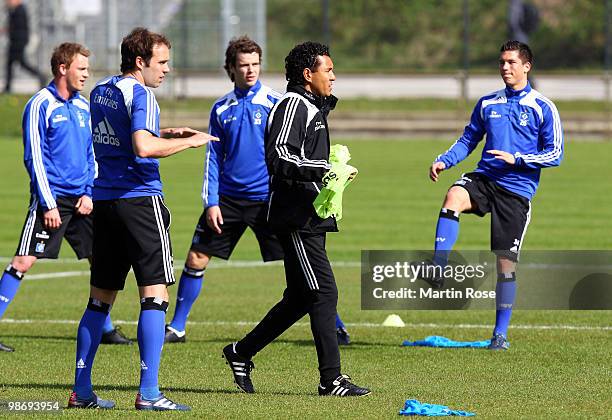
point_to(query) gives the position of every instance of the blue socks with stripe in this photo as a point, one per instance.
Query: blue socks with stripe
(9, 284)
(150, 342)
(189, 288)
(505, 292)
(108, 325)
(88, 338)
(447, 232)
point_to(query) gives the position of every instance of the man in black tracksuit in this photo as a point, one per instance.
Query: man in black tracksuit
(19, 35)
(297, 153)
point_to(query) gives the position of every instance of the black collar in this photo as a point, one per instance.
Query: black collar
(324, 103)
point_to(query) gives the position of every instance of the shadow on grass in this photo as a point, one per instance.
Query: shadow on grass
(40, 337)
(134, 389)
(222, 341)
(297, 342)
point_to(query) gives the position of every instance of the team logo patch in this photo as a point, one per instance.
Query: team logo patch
(81, 119)
(40, 247)
(524, 119)
(257, 117)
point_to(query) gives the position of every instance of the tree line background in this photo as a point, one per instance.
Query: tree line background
(427, 35)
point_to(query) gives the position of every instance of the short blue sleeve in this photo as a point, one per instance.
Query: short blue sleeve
(144, 110)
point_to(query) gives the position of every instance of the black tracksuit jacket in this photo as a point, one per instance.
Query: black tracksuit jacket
(297, 156)
(18, 29)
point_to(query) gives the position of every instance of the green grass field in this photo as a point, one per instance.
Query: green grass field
(12, 108)
(558, 365)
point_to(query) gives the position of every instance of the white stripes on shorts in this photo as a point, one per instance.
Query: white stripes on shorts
(26, 237)
(165, 240)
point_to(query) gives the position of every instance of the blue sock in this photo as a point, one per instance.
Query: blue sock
(505, 292)
(9, 284)
(339, 323)
(190, 285)
(88, 339)
(447, 231)
(150, 342)
(108, 324)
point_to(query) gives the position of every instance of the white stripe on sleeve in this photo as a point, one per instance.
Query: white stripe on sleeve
(37, 160)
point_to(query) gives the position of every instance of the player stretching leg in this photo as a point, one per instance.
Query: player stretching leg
(523, 135)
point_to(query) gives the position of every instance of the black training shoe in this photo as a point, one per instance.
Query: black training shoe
(4, 347)
(241, 368)
(344, 339)
(174, 336)
(93, 402)
(115, 336)
(429, 273)
(343, 387)
(161, 403)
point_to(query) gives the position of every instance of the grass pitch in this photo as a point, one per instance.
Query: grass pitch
(558, 365)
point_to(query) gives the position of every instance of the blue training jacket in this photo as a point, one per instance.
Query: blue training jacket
(58, 153)
(121, 106)
(236, 165)
(524, 123)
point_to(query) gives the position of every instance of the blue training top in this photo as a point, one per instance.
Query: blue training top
(58, 154)
(121, 106)
(524, 123)
(236, 165)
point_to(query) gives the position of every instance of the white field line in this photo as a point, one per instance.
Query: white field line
(249, 264)
(219, 263)
(216, 262)
(349, 324)
(214, 266)
(5, 260)
(61, 274)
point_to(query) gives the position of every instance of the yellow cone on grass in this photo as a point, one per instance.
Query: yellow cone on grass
(393, 320)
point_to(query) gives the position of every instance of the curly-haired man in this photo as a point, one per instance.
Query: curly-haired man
(297, 156)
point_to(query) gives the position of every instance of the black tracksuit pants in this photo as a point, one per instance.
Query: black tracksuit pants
(16, 54)
(311, 289)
